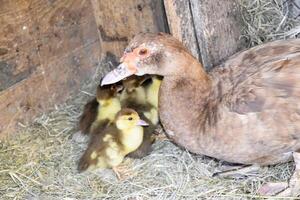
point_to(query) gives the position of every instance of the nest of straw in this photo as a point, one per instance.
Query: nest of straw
(267, 20)
(40, 161)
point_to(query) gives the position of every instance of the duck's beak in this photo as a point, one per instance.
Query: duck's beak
(121, 72)
(142, 123)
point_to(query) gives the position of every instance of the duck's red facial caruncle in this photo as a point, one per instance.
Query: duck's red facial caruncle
(130, 64)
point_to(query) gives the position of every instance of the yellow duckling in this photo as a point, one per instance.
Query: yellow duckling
(108, 149)
(134, 96)
(88, 116)
(134, 90)
(146, 147)
(101, 110)
(152, 91)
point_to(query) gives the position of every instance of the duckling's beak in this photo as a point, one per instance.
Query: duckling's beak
(142, 123)
(121, 72)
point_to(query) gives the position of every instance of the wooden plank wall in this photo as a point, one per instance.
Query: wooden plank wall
(129, 18)
(181, 24)
(210, 29)
(49, 47)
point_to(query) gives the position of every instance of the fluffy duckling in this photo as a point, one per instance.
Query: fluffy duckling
(141, 94)
(134, 90)
(88, 116)
(134, 96)
(108, 149)
(152, 91)
(101, 110)
(148, 139)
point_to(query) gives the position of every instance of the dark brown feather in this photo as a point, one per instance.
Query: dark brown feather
(88, 116)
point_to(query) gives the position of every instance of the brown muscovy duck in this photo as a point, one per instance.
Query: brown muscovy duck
(245, 111)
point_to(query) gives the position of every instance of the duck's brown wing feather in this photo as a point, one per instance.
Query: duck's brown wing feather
(259, 104)
(276, 85)
(262, 96)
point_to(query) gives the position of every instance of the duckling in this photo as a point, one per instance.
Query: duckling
(134, 91)
(142, 95)
(152, 91)
(88, 116)
(146, 147)
(134, 96)
(108, 149)
(101, 110)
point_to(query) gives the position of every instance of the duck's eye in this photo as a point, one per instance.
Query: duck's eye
(143, 52)
(130, 118)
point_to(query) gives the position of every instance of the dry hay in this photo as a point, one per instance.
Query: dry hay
(40, 162)
(267, 20)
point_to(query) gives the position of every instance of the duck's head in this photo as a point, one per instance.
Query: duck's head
(128, 118)
(147, 53)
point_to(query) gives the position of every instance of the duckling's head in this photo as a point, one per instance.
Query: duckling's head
(132, 82)
(128, 118)
(147, 53)
(107, 92)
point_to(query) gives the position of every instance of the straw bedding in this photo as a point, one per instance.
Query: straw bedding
(40, 161)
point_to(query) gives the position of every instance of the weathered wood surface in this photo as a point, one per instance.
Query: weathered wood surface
(218, 27)
(48, 48)
(181, 24)
(215, 26)
(118, 21)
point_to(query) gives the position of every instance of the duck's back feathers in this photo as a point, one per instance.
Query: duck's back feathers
(258, 64)
(260, 78)
(259, 95)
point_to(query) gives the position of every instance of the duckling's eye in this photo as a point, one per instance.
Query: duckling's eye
(130, 118)
(143, 52)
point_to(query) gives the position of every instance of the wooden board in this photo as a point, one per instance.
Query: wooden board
(18, 58)
(118, 22)
(218, 27)
(181, 24)
(213, 27)
(47, 48)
